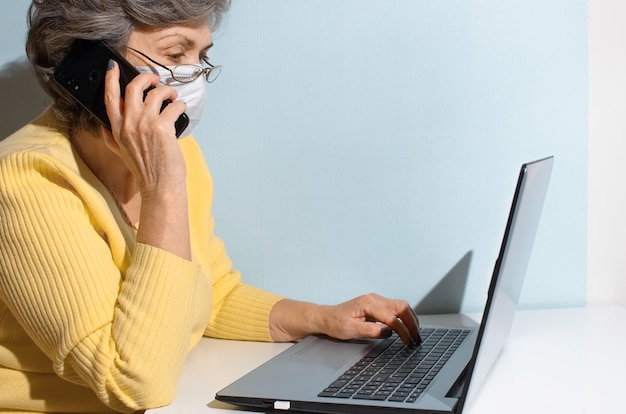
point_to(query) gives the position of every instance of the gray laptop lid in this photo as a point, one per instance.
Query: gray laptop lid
(510, 269)
(292, 380)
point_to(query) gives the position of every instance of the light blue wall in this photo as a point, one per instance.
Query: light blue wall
(360, 145)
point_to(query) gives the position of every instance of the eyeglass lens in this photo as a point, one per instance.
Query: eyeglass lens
(189, 73)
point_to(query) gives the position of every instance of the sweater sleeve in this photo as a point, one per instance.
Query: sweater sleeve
(239, 311)
(123, 332)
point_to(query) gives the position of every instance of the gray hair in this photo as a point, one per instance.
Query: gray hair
(55, 24)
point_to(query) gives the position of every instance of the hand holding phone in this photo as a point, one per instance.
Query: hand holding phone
(82, 72)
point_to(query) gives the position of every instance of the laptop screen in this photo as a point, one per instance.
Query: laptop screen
(510, 269)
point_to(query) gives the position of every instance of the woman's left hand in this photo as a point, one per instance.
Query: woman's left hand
(367, 316)
(372, 316)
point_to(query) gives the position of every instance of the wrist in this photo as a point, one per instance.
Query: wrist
(162, 191)
(292, 320)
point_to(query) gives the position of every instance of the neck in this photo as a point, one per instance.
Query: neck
(110, 170)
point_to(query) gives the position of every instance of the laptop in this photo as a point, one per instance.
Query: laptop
(324, 375)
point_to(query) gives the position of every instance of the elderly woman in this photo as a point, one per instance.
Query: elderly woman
(110, 269)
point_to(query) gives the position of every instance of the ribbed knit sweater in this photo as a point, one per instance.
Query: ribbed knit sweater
(90, 320)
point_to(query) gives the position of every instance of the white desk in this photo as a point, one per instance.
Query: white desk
(556, 361)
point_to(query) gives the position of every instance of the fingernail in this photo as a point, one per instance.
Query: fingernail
(110, 64)
(385, 332)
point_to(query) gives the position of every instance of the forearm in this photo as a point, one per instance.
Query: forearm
(152, 321)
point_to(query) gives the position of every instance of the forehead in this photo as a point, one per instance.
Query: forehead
(194, 34)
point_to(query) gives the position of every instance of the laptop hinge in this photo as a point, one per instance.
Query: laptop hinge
(457, 388)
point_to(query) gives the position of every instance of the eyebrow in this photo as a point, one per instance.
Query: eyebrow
(187, 41)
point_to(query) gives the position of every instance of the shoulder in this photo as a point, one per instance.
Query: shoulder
(37, 164)
(42, 140)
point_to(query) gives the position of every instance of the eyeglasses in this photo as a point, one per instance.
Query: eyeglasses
(188, 73)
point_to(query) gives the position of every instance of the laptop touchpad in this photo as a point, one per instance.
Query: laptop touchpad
(333, 353)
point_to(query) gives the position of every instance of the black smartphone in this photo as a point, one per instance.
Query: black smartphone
(82, 71)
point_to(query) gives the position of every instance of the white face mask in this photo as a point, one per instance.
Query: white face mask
(192, 93)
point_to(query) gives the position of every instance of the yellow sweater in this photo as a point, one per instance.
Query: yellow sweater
(91, 321)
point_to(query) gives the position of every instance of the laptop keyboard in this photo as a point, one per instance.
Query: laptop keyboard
(395, 372)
